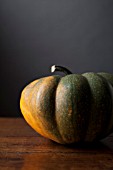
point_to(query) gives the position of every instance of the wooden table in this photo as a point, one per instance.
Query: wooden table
(22, 148)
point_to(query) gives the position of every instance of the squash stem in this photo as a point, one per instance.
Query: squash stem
(61, 69)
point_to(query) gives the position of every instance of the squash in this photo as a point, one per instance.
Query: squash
(69, 109)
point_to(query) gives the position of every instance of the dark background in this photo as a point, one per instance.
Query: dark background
(35, 34)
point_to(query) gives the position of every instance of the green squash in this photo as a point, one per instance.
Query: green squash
(69, 109)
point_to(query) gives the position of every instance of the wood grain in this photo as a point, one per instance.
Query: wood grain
(22, 148)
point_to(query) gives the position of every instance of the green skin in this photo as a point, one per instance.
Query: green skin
(77, 108)
(90, 98)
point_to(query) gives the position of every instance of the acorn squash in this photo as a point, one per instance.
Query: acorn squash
(72, 108)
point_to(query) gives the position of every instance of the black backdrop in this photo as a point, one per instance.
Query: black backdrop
(35, 34)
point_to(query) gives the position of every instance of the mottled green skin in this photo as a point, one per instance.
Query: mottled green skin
(101, 108)
(91, 100)
(72, 107)
(109, 78)
(75, 108)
